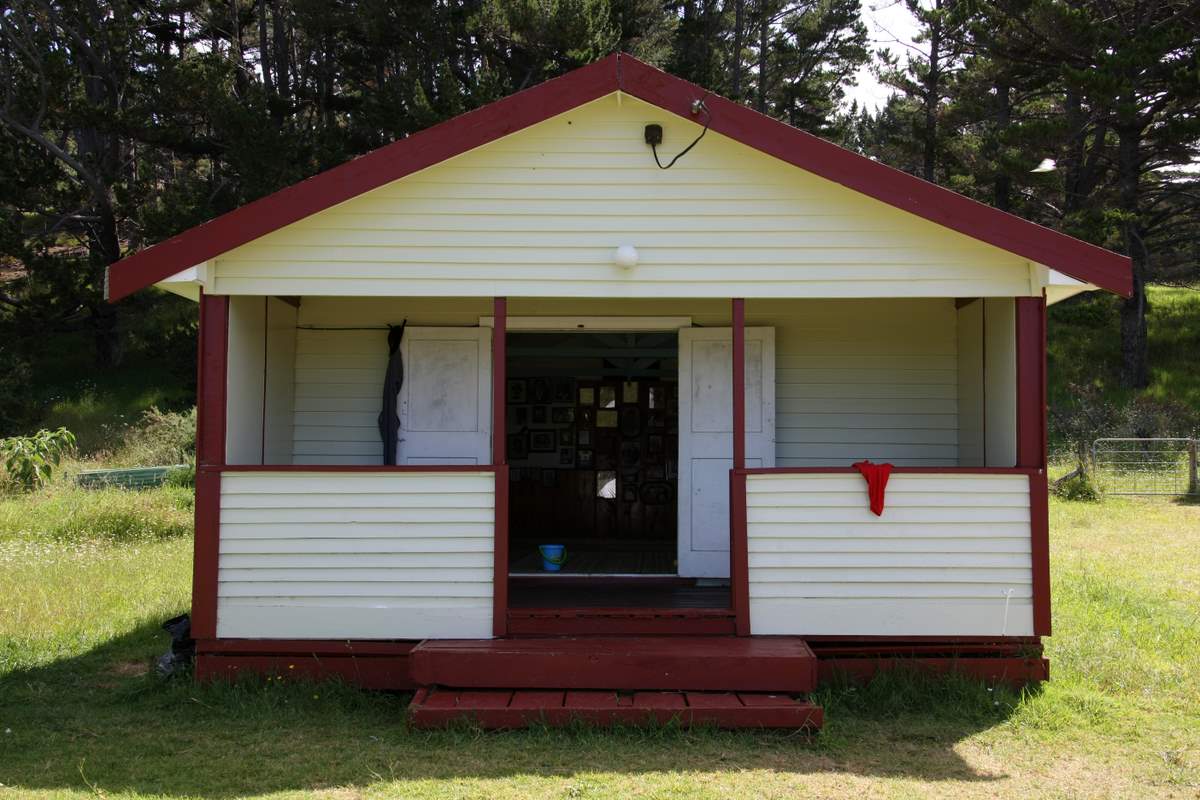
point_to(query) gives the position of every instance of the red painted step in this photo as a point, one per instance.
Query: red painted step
(675, 663)
(504, 709)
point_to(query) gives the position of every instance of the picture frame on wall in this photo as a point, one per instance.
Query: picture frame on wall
(585, 459)
(549, 478)
(562, 415)
(562, 390)
(518, 446)
(521, 416)
(587, 396)
(518, 390)
(584, 438)
(543, 441)
(566, 437)
(539, 390)
(606, 418)
(538, 415)
(566, 456)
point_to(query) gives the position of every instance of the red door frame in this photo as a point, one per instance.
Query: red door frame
(739, 569)
(1031, 446)
(500, 461)
(212, 397)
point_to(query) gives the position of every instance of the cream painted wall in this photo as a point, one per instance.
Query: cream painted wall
(281, 318)
(1000, 380)
(356, 555)
(854, 378)
(244, 423)
(949, 557)
(970, 385)
(540, 212)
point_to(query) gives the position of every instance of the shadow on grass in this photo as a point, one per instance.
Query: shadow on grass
(103, 722)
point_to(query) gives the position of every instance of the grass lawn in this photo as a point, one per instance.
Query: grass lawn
(80, 714)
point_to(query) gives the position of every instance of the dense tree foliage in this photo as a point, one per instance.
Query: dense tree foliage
(123, 123)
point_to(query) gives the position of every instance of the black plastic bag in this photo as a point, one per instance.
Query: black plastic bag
(183, 646)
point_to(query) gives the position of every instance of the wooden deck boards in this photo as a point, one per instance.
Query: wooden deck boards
(504, 709)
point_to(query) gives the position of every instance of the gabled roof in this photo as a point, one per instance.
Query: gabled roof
(1078, 259)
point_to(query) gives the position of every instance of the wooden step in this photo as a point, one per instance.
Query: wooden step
(506, 709)
(632, 663)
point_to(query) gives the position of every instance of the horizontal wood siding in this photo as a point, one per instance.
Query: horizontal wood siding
(356, 556)
(949, 557)
(540, 213)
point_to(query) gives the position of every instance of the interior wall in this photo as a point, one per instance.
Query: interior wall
(245, 385)
(281, 318)
(855, 379)
(1000, 381)
(971, 451)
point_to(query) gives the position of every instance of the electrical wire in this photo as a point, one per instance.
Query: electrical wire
(696, 141)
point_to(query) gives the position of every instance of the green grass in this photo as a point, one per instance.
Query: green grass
(1085, 346)
(78, 629)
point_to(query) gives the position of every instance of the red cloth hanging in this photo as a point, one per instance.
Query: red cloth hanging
(877, 478)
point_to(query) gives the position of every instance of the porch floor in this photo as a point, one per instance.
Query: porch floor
(436, 708)
(565, 592)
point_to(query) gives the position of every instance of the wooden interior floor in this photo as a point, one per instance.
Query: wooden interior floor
(614, 594)
(528, 561)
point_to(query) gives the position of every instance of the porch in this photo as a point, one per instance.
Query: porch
(307, 536)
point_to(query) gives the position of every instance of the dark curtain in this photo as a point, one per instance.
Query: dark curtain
(389, 417)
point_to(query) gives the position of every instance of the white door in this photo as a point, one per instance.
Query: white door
(706, 438)
(446, 399)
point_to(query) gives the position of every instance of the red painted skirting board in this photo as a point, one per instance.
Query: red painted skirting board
(368, 672)
(437, 708)
(774, 664)
(620, 622)
(1012, 670)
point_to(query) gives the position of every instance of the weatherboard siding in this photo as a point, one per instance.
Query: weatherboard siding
(950, 556)
(855, 379)
(356, 555)
(539, 213)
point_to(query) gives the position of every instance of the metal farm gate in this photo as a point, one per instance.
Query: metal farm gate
(1145, 466)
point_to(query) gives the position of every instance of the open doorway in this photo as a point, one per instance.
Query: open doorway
(593, 452)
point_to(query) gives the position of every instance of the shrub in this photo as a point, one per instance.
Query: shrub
(1077, 486)
(159, 438)
(30, 460)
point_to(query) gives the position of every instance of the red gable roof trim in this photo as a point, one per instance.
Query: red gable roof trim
(1070, 256)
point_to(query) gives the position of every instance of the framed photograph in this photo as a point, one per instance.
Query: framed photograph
(562, 415)
(538, 415)
(539, 390)
(566, 456)
(518, 446)
(566, 437)
(608, 397)
(656, 419)
(606, 418)
(521, 416)
(543, 441)
(549, 478)
(654, 443)
(656, 398)
(517, 390)
(587, 396)
(655, 494)
(606, 485)
(631, 454)
(516, 475)
(629, 477)
(586, 417)
(584, 438)
(629, 392)
(631, 422)
(562, 390)
(585, 459)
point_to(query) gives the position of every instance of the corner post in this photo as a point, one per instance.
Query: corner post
(739, 575)
(500, 463)
(1031, 446)
(211, 394)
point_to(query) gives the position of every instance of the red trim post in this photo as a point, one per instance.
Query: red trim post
(1031, 446)
(211, 393)
(739, 571)
(499, 459)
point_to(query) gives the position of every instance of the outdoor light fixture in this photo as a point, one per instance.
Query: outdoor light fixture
(626, 256)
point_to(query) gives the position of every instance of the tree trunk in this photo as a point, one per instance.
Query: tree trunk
(932, 96)
(735, 79)
(1135, 367)
(764, 32)
(104, 248)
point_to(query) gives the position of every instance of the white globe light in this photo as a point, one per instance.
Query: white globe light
(626, 256)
